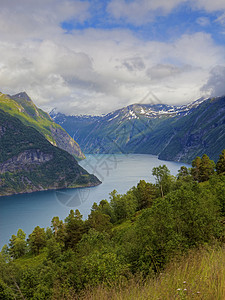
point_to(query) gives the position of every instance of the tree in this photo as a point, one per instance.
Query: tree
(220, 165)
(53, 249)
(37, 239)
(207, 168)
(195, 170)
(202, 168)
(74, 227)
(5, 254)
(99, 221)
(145, 194)
(17, 244)
(124, 206)
(163, 179)
(58, 229)
(183, 173)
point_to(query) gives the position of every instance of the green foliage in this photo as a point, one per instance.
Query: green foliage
(17, 244)
(220, 166)
(54, 249)
(202, 168)
(145, 193)
(184, 174)
(5, 253)
(124, 206)
(216, 186)
(99, 221)
(5, 292)
(37, 239)
(93, 241)
(207, 168)
(139, 232)
(75, 228)
(102, 267)
(59, 230)
(163, 179)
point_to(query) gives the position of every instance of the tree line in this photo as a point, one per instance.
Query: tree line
(135, 233)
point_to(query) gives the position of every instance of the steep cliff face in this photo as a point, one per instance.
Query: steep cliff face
(24, 161)
(28, 162)
(64, 141)
(22, 107)
(202, 131)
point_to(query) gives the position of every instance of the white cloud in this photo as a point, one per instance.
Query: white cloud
(32, 19)
(141, 11)
(138, 12)
(101, 70)
(209, 5)
(215, 85)
(96, 70)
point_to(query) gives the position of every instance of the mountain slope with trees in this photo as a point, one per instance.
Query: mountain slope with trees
(172, 133)
(135, 235)
(28, 162)
(22, 107)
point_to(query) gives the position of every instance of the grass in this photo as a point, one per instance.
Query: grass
(199, 275)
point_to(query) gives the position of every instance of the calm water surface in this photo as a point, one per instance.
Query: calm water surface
(119, 172)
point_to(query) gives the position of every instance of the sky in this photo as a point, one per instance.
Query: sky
(92, 57)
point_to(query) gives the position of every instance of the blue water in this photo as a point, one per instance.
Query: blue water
(119, 172)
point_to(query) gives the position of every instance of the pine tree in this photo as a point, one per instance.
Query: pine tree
(37, 239)
(207, 168)
(195, 170)
(220, 166)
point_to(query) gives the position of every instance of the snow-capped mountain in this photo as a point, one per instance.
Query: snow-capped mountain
(136, 111)
(171, 132)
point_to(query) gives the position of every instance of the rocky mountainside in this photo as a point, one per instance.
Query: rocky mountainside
(28, 162)
(177, 133)
(22, 107)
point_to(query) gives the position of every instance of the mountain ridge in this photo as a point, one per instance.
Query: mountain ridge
(154, 129)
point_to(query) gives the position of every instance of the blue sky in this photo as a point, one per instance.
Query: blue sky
(164, 27)
(86, 57)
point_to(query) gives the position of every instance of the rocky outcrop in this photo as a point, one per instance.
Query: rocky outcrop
(25, 161)
(2, 130)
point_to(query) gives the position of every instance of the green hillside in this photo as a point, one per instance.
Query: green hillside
(22, 107)
(28, 162)
(162, 240)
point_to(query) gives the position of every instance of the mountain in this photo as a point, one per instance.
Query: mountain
(177, 133)
(28, 162)
(22, 107)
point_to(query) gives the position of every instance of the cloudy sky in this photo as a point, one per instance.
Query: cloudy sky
(92, 57)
